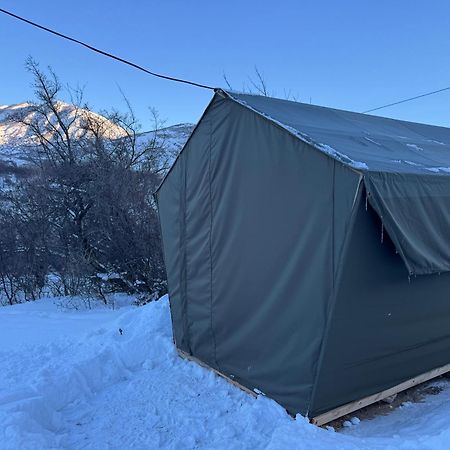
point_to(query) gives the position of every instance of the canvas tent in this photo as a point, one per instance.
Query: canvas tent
(308, 249)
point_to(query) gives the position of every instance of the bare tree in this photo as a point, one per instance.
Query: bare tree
(225, 78)
(257, 84)
(86, 211)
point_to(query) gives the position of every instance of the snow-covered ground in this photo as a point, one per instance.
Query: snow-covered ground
(70, 379)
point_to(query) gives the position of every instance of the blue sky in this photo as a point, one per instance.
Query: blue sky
(352, 55)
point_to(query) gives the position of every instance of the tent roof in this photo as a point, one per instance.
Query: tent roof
(361, 141)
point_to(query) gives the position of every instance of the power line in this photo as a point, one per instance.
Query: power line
(407, 100)
(101, 52)
(178, 80)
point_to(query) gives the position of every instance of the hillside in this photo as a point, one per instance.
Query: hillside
(15, 138)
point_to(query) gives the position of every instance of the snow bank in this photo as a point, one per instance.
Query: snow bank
(71, 379)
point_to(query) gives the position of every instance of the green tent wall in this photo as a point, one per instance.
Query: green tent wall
(277, 275)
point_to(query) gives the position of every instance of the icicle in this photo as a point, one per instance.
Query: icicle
(382, 232)
(367, 195)
(409, 278)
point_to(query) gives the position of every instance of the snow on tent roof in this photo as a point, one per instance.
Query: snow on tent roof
(364, 142)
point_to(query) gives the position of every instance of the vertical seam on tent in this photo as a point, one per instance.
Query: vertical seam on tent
(155, 197)
(316, 369)
(333, 230)
(332, 298)
(210, 247)
(183, 274)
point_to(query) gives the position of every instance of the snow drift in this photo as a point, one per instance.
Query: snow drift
(71, 379)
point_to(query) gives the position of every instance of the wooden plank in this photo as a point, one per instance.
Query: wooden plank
(353, 406)
(348, 408)
(185, 355)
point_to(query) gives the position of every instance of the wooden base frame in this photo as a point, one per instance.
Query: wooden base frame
(348, 408)
(185, 355)
(324, 418)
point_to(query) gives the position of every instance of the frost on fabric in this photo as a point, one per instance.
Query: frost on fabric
(372, 141)
(406, 161)
(341, 156)
(325, 148)
(438, 169)
(415, 147)
(411, 163)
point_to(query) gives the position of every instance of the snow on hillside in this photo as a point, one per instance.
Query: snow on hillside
(15, 138)
(172, 139)
(11, 151)
(70, 379)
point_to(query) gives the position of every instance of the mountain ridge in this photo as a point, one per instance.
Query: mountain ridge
(16, 138)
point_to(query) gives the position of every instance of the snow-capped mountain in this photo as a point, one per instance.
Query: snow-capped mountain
(16, 138)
